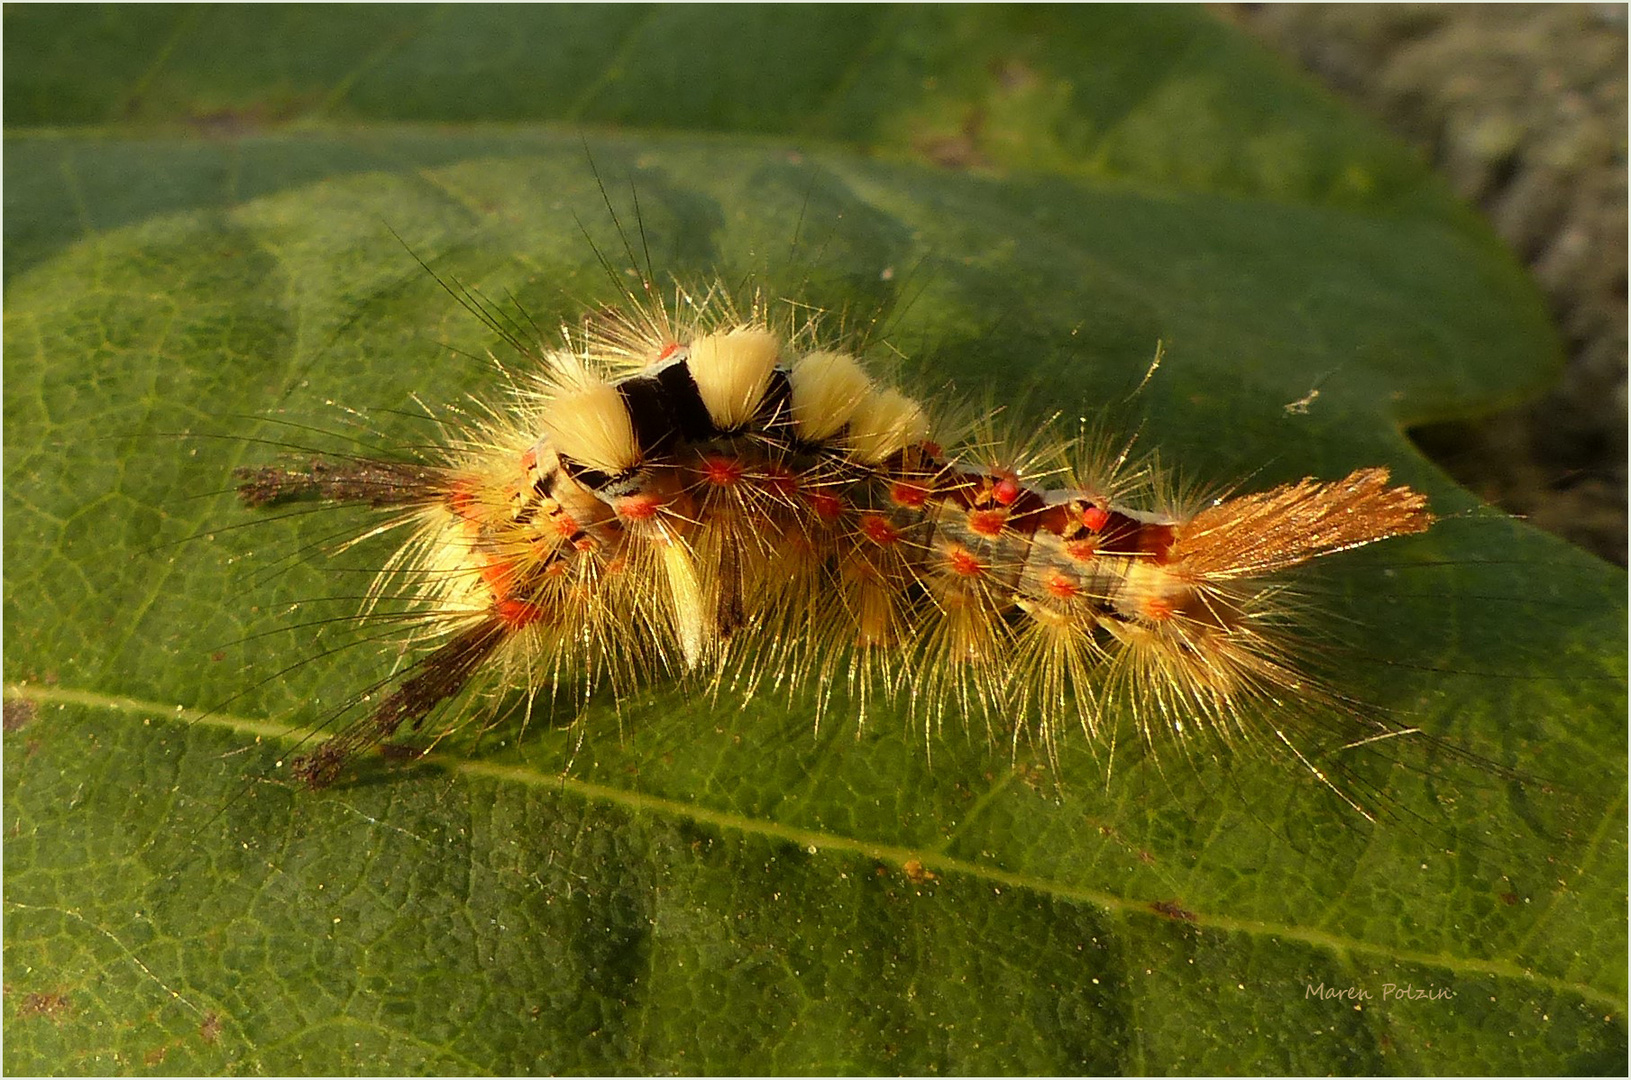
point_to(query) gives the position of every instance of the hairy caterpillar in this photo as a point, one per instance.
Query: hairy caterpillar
(1303, 706)
(722, 493)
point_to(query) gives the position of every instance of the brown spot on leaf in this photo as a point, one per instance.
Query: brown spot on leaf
(210, 1029)
(52, 1004)
(959, 151)
(917, 873)
(18, 714)
(1014, 75)
(1031, 775)
(238, 123)
(1172, 910)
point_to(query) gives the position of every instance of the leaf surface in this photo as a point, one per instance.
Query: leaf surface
(715, 886)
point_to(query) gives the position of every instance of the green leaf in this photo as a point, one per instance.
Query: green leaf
(714, 885)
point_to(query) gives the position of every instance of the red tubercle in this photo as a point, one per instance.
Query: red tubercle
(1095, 518)
(722, 471)
(962, 562)
(668, 350)
(462, 501)
(1006, 490)
(498, 574)
(827, 507)
(879, 531)
(517, 614)
(1081, 550)
(988, 523)
(566, 526)
(1158, 608)
(1062, 587)
(933, 449)
(909, 495)
(529, 459)
(638, 507)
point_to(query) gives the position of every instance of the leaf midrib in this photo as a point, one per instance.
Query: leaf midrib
(638, 802)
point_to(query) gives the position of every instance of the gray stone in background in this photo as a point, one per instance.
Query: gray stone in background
(1523, 108)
